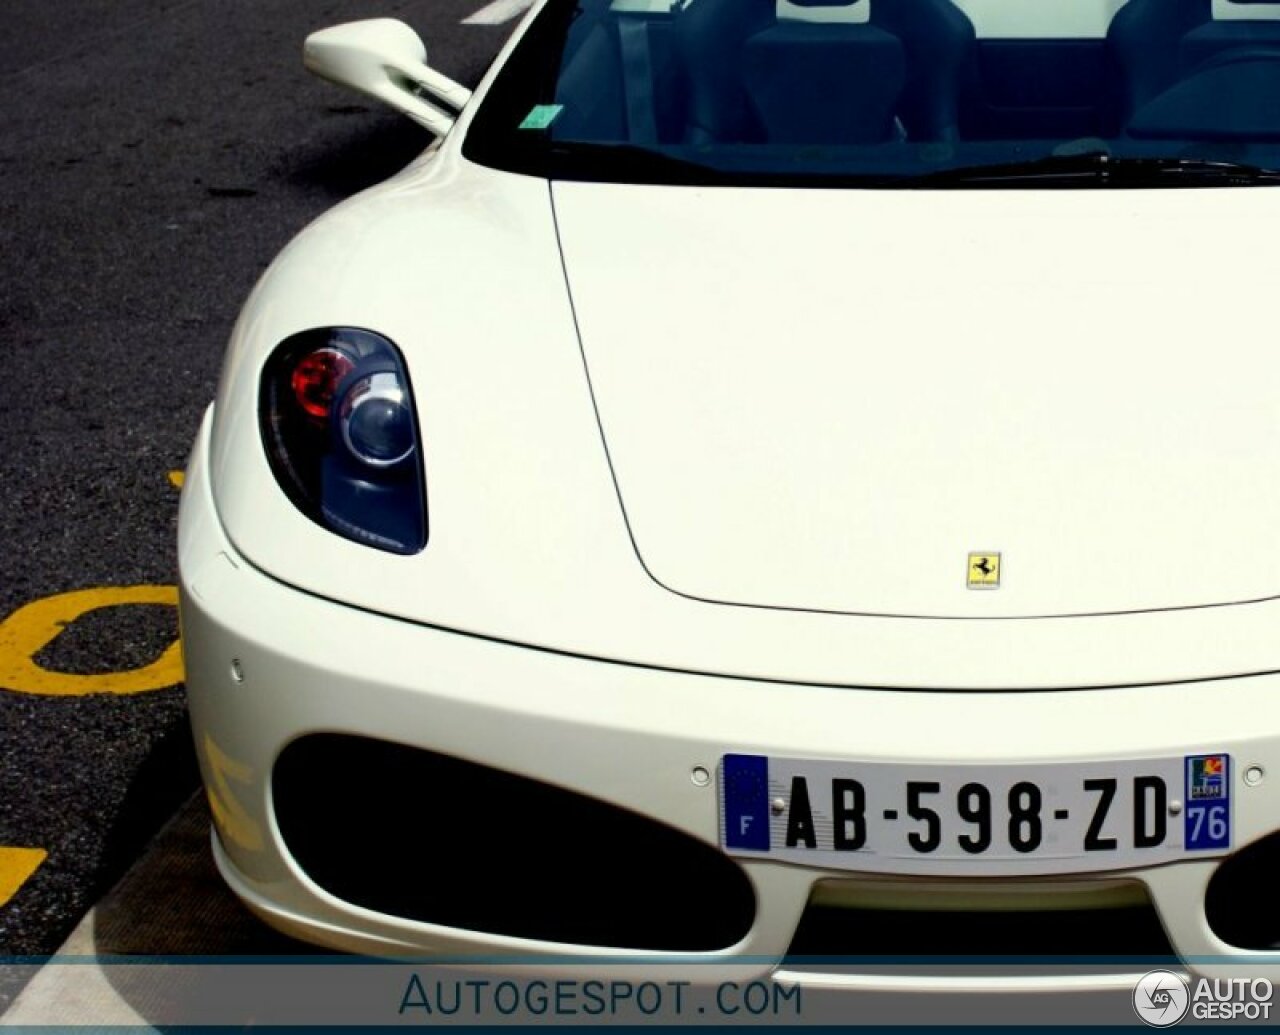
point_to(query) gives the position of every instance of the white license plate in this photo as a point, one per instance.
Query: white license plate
(989, 820)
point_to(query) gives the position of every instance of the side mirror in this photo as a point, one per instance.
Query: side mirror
(385, 59)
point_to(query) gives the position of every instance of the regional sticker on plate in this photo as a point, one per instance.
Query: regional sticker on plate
(882, 817)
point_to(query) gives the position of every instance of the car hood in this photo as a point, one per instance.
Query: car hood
(829, 401)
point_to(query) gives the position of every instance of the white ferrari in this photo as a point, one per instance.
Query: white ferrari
(775, 479)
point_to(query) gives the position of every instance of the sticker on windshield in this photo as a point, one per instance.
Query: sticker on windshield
(542, 116)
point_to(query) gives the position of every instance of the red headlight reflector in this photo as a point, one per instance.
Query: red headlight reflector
(316, 378)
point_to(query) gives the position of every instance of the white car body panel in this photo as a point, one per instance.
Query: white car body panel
(827, 399)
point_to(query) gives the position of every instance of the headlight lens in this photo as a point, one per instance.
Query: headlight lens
(377, 421)
(341, 434)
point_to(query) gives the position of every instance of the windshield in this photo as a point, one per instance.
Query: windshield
(913, 93)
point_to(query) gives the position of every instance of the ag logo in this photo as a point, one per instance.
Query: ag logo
(1161, 998)
(984, 571)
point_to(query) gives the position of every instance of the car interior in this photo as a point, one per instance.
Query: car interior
(823, 73)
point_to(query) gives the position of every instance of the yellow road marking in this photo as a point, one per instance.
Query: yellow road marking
(233, 819)
(177, 478)
(30, 628)
(16, 867)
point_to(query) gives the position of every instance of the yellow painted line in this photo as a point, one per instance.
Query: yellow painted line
(177, 478)
(232, 818)
(32, 627)
(16, 867)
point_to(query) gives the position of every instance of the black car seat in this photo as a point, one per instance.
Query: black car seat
(939, 41)
(1145, 42)
(1156, 44)
(710, 35)
(828, 77)
(1236, 29)
(822, 74)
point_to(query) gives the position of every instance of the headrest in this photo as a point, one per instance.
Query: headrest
(1246, 10)
(847, 12)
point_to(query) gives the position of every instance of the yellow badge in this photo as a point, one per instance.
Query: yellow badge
(984, 571)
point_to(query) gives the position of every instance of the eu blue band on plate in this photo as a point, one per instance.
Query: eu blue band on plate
(1208, 802)
(746, 802)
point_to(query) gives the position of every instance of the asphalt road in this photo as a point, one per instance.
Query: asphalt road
(154, 156)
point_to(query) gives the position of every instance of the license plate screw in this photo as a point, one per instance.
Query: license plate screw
(700, 776)
(1253, 775)
(777, 806)
(1175, 807)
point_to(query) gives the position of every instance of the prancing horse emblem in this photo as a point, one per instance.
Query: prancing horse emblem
(984, 571)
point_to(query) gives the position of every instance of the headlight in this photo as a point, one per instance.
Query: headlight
(341, 434)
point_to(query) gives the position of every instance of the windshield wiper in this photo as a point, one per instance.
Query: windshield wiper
(629, 163)
(1098, 169)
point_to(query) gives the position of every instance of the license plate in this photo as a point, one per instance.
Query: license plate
(988, 820)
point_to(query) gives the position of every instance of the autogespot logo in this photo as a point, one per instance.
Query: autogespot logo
(1161, 998)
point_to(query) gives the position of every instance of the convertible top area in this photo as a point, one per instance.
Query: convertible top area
(741, 84)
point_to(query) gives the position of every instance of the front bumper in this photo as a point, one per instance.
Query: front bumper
(268, 665)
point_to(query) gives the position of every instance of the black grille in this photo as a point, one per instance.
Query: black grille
(427, 837)
(1131, 931)
(1241, 904)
